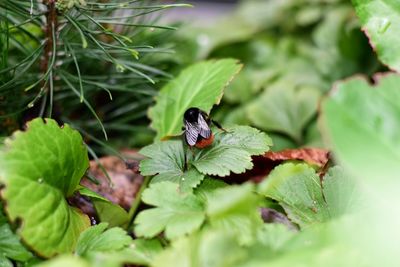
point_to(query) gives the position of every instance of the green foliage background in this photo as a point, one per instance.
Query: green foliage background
(346, 216)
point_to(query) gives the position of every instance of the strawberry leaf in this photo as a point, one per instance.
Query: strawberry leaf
(200, 85)
(100, 239)
(298, 190)
(381, 21)
(235, 209)
(40, 168)
(175, 212)
(232, 151)
(166, 160)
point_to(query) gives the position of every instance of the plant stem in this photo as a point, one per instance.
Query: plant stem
(51, 40)
(137, 200)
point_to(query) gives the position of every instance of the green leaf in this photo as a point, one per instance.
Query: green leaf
(210, 248)
(369, 148)
(207, 187)
(200, 85)
(10, 245)
(342, 194)
(232, 151)
(65, 261)
(284, 108)
(4, 262)
(235, 209)
(241, 89)
(98, 239)
(175, 212)
(381, 22)
(107, 211)
(40, 168)
(274, 236)
(144, 250)
(166, 160)
(298, 190)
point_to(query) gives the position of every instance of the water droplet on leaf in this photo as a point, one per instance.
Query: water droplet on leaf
(40, 180)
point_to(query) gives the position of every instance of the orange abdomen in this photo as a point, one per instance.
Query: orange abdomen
(205, 142)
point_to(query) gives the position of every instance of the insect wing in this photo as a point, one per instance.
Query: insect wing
(204, 128)
(191, 133)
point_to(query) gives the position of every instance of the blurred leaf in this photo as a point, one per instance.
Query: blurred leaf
(372, 125)
(145, 250)
(10, 245)
(100, 239)
(313, 136)
(166, 160)
(274, 235)
(234, 209)
(235, 116)
(175, 212)
(4, 262)
(65, 261)
(200, 85)
(40, 168)
(210, 248)
(381, 24)
(285, 109)
(342, 194)
(232, 151)
(281, 142)
(208, 187)
(297, 189)
(240, 90)
(108, 212)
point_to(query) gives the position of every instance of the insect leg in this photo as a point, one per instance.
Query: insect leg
(218, 125)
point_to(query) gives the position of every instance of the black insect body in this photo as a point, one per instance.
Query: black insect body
(197, 128)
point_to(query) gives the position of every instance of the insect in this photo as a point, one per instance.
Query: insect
(197, 129)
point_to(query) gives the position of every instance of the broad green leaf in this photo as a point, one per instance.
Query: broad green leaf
(207, 249)
(274, 236)
(100, 239)
(381, 22)
(240, 90)
(222, 160)
(65, 261)
(200, 85)
(298, 190)
(232, 151)
(175, 212)
(140, 252)
(145, 250)
(107, 211)
(369, 151)
(166, 160)
(341, 193)
(284, 108)
(208, 187)
(4, 262)
(40, 168)
(131, 256)
(235, 209)
(10, 245)
(369, 148)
